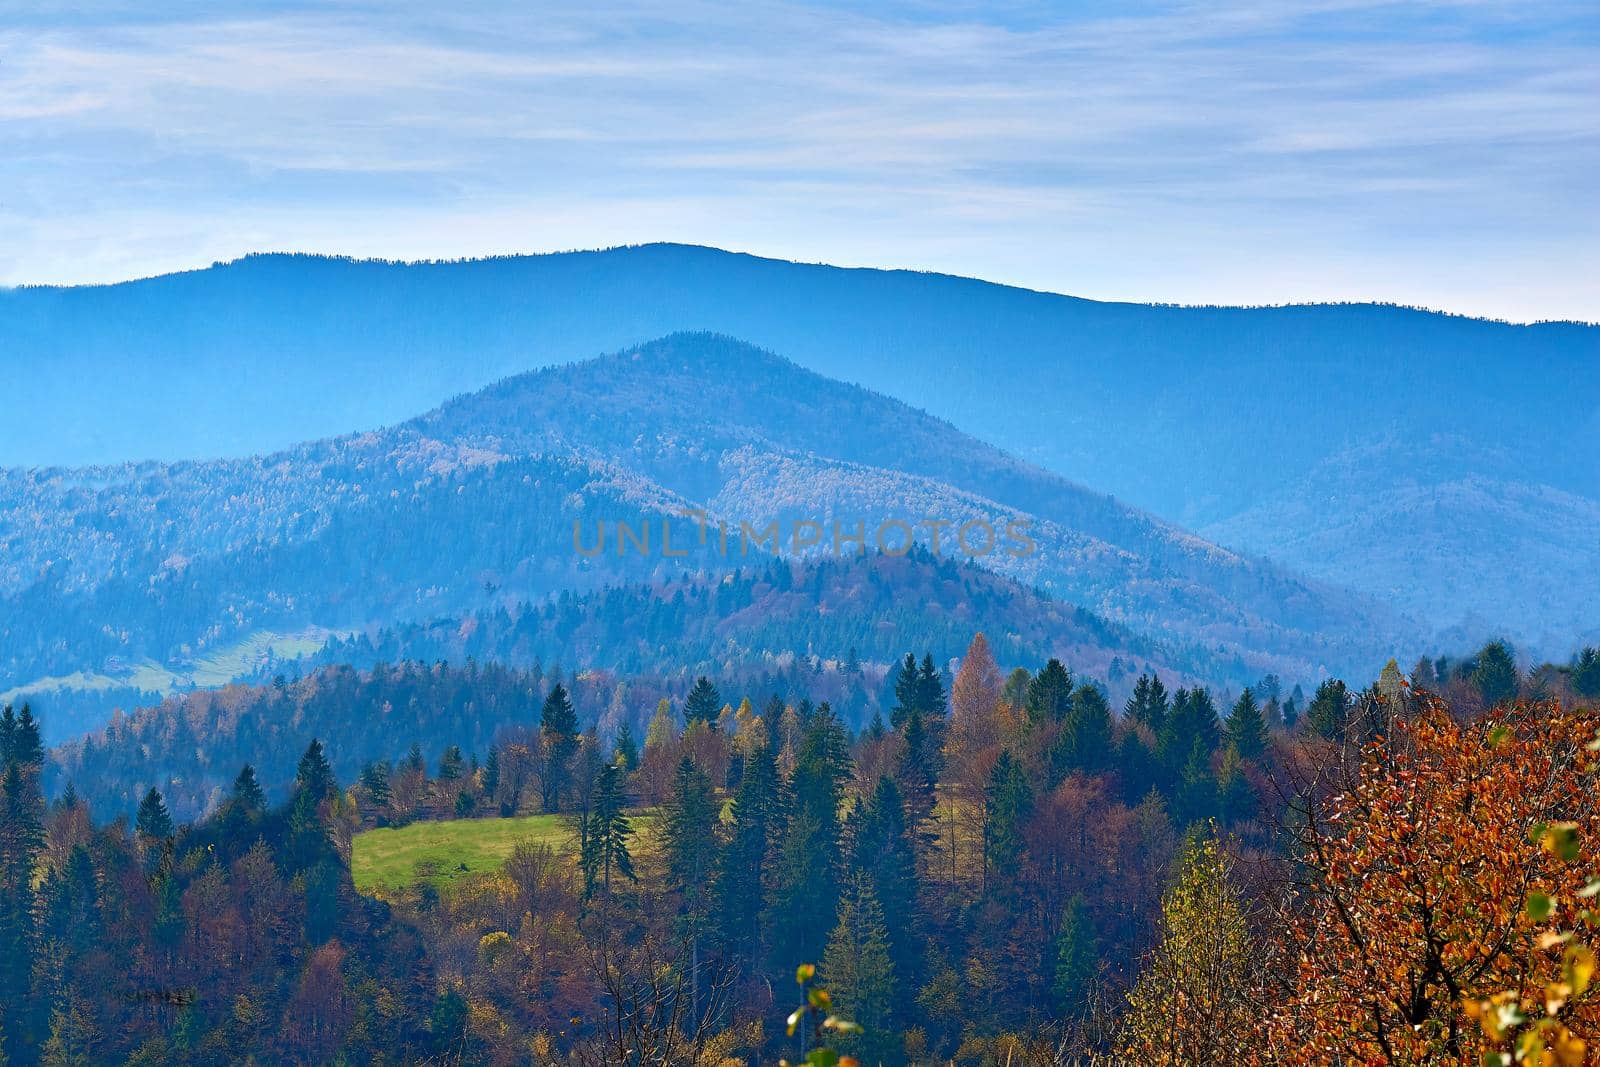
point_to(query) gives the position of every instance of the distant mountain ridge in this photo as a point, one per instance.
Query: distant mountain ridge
(474, 505)
(1222, 420)
(320, 346)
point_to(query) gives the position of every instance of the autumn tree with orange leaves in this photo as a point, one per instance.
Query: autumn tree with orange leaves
(1441, 913)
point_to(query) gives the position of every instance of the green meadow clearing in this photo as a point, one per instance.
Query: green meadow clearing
(388, 860)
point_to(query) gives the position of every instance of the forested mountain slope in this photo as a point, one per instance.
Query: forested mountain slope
(1206, 416)
(820, 631)
(474, 505)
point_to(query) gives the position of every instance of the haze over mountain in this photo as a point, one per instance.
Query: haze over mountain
(1224, 419)
(156, 567)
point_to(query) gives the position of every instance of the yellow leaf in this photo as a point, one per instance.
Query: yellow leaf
(1579, 968)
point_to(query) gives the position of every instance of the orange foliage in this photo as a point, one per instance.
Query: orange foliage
(1415, 915)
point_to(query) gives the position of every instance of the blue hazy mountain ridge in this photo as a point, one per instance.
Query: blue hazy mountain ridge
(1490, 538)
(1165, 407)
(755, 436)
(472, 505)
(1219, 419)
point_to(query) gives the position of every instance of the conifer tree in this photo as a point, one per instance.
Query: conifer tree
(742, 887)
(1235, 799)
(703, 704)
(452, 764)
(1148, 705)
(27, 746)
(881, 850)
(1494, 676)
(1192, 720)
(977, 686)
(1086, 736)
(931, 700)
(605, 841)
(1008, 802)
(1050, 694)
(153, 822)
(314, 777)
(71, 896)
(558, 729)
(1137, 767)
(626, 750)
(1015, 692)
(1196, 798)
(806, 889)
(689, 841)
(918, 774)
(1329, 709)
(491, 773)
(1075, 958)
(1247, 728)
(21, 844)
(859, 974)
(375, 780)
(907, 692)
(246, 794)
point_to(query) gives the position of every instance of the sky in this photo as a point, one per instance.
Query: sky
(1445, 155)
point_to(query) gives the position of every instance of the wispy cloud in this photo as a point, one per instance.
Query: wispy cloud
(1242, 151)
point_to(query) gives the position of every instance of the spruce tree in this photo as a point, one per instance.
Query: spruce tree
(313, 777)
(1494, 675)
(22, 841)
(626, 750)
(689, 841)
(153, 822)
(375, 780)
(491, 773)
(309, 844)
(246, 794)
(1086, 736)
(758, 817)
(703, 704)
(27, 746)
(931, 697)
(881, 849)
(806, 887)
(1329, 708)
(1050, 694)
(1192, 720)
(907, 692)
(859, 974)
(1148, 705)
(1008, 803)
(918, 775)
(414, 762)
(605, 841)
(1197, 797)
(1247, 727)
(558, 729)
(1585, 673)
(1236, 801)
(1075, 958)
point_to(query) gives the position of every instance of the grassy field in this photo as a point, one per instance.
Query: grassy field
(388, 860)
(221, 666)
(216, 668)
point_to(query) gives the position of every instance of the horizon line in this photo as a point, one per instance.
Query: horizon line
(603, 250)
